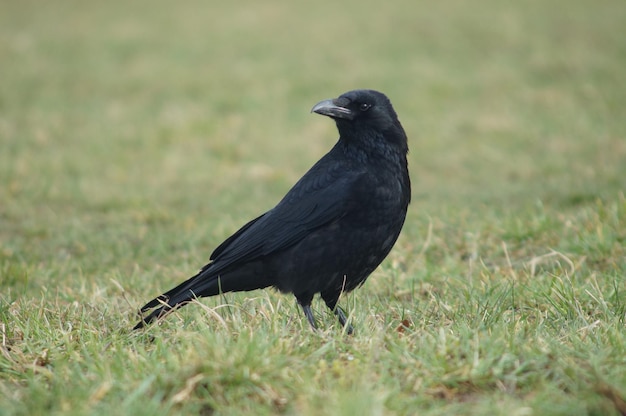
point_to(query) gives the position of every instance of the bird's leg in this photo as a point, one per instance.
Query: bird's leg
(309, 315)
(305, 302)
(331, 302)
(343, 320)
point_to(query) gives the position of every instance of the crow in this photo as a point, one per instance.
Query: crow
(330, 231)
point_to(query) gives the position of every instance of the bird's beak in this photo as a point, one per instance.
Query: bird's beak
(334, 108)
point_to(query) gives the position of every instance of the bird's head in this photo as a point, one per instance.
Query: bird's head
(358, 106)
(361, 113)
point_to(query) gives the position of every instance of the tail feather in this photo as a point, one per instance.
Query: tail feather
(205, 283)
(156, 314)
(197, 286)
(181, 288)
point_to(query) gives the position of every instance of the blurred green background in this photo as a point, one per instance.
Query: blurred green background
(136, 136)
(110, 110)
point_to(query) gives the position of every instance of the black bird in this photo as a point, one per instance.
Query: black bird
(331, 230)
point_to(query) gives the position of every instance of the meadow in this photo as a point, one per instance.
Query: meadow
(136, 136)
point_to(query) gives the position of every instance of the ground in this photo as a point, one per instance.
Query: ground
(135, 137)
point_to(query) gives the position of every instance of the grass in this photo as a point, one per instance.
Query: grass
(136, 137)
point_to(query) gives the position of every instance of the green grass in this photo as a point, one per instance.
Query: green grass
(135, 137)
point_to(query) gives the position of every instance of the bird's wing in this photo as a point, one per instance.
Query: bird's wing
(219, 249)
(317, 199)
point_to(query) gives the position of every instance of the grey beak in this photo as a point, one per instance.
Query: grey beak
(332, 109)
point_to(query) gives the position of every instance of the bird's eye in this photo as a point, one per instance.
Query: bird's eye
(364, 107)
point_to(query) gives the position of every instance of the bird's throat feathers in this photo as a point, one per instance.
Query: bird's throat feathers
(375, 146)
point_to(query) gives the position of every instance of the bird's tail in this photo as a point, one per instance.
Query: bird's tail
(207, 282)
(199, 285)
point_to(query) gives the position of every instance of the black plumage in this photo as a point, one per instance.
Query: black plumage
(331, 230)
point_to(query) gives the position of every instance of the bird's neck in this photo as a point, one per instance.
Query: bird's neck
(374, 148)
